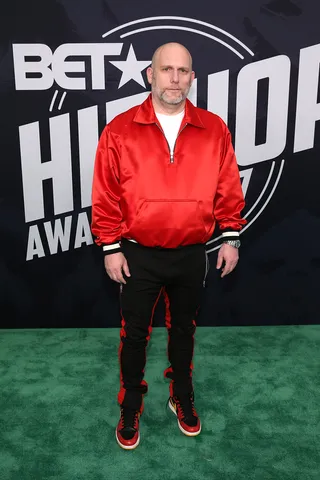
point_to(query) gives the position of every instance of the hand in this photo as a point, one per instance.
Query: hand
(114, 264)
(229, 255)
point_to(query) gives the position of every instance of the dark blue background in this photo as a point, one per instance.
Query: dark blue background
(276, 281)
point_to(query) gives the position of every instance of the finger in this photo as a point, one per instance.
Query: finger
(219, 261)
(224, 272)
(228, 269)
(120, 278)
(126, 269)
(116, 276)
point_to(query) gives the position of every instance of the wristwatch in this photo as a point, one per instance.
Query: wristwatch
(233, 243)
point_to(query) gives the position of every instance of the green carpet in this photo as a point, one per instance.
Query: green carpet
(257, 391)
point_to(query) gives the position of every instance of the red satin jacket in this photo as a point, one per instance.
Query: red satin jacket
(143, 193)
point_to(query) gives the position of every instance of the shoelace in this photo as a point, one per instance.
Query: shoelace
(129, 418)
(186, 406)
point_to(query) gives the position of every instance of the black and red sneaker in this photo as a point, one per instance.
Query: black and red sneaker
(127, 431)
(188, 420)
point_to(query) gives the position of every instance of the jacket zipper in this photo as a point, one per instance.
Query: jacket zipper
(171, 153)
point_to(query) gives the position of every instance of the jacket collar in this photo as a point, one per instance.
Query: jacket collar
(146, 114)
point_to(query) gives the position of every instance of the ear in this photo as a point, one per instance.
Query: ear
(193, 74)
(149, 74)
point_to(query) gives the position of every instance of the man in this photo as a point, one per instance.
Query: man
(165, 173)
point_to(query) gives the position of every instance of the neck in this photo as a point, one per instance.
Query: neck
(167, 109)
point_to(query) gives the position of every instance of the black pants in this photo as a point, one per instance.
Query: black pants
(180, 275)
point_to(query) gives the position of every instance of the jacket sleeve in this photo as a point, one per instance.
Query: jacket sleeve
(106, 212)
(229, 199)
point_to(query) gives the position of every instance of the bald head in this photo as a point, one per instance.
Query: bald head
(170, 76)
(169, 49)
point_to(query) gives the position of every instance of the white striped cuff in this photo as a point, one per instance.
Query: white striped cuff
(113, 246)
(230, 234)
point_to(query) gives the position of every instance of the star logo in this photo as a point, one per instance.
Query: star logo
(131, 68)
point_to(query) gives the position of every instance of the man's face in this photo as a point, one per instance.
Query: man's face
(171, 76)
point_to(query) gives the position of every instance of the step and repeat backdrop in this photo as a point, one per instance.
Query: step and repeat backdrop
(68, 67)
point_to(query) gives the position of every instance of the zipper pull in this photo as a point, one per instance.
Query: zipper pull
(171, 157)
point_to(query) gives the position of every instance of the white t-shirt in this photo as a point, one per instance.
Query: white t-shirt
(170, 125)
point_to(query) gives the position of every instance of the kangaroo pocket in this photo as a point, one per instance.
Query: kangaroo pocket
(168, 223)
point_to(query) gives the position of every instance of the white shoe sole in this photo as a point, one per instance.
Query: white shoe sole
(189, 434)
(125, 447)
